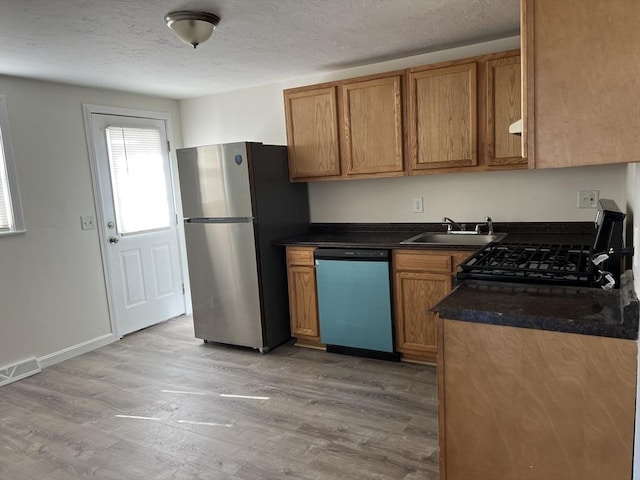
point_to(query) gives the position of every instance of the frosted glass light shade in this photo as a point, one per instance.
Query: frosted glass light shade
(192, 27)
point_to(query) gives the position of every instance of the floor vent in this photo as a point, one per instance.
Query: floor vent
(17, 371)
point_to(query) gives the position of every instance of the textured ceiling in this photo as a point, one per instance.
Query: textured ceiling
(125, 44)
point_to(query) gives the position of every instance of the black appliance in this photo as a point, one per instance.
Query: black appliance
(556, 259)
(608, 240)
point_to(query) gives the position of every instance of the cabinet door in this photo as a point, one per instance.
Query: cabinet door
(519, 403)
(503, 108)
(372, 133)
(416, 293)
(584, 59)
(303, 305)
(312, 132)
(443, 117)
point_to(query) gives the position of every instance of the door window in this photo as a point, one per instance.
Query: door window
(138, 179)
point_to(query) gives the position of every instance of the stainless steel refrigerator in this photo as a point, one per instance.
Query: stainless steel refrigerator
(236, 200)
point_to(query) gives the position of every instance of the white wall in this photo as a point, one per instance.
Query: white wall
(257, 114)
(505, 196)
(52, 290)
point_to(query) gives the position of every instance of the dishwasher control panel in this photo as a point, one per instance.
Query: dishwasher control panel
(351, 254)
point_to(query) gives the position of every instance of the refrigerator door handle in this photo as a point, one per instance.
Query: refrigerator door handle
(222, 220)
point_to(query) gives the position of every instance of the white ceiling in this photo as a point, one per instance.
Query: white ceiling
(125, 44)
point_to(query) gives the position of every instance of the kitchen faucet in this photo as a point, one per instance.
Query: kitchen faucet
(452, 224)
(455, 227)
(489, 224)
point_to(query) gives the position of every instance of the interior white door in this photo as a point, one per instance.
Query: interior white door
(140, 221)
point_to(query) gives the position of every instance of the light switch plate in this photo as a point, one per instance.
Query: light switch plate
(88, 222)
(418, 205)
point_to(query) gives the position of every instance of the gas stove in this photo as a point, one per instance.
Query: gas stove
(556, 260)
(531, 262)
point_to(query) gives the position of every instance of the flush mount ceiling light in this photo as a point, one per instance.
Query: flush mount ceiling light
(192, 27)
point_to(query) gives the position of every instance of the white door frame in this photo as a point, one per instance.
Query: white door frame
(88, 110)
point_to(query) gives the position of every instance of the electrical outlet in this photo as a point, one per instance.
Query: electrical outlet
(88, 222)
(418, 205)
(588, 198)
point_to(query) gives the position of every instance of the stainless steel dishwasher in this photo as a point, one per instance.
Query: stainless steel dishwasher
(354, 302)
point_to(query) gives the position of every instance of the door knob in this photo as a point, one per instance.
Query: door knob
(114, 239)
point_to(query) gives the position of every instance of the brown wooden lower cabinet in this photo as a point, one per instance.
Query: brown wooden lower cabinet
(528, 404)
(303, 303)
(421, 279)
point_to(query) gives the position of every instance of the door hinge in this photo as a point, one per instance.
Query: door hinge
(168, 146)
(183, 290)
(177, 220)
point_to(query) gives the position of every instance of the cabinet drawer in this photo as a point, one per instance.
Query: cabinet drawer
(300, 256)
(405, 260)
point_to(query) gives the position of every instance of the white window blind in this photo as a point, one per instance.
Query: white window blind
(6, 216)
(138, 179)
(11, 220)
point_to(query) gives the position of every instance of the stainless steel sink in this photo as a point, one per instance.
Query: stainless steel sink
(431, 238)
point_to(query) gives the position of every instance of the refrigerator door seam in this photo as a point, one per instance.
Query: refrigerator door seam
(221, 220)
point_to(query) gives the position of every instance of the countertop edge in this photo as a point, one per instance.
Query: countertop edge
(535, 323)
(391, 235)
(464, 304)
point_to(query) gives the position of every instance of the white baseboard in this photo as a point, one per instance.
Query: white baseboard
(75, 350)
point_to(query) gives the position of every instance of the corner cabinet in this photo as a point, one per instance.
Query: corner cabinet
(312, 132)
(443, 128)
(581, 68)
(421, 279)
(303, 303)
(503, 105)
(349, 129)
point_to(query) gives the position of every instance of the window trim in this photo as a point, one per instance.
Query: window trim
(12, 178)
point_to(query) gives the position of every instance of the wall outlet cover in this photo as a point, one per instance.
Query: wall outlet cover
(588, 198)
(418, 205)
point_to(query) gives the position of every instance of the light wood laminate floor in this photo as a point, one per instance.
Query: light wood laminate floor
(151, 407)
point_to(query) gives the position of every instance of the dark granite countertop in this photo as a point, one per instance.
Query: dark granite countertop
(386, 240)
(587, 311)
(390, 235)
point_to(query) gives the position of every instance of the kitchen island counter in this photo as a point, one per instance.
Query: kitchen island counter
(536, 382)
(587, 311)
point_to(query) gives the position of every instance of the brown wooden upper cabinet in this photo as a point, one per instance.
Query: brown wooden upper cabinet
(372, 126)
(448, 117)
(347, 129)
(502, 109)
(581, 69)
(312, 132)
(443, 124)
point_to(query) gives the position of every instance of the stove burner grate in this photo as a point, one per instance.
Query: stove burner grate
(522, 262)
